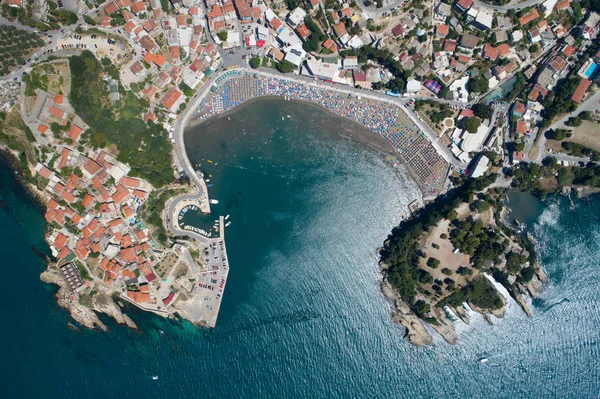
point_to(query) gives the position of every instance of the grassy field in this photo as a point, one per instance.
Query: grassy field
(16, 46)
(51, 77)
(588, 135)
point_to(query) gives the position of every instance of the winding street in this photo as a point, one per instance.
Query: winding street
(515, 5)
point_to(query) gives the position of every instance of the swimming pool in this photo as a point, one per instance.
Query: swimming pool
(590, 70)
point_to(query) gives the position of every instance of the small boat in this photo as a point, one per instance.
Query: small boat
(289, 116)
(208, 160)
(209, 185)
(161, 332)
(207, 180)
(155, 377)
(483, 360)
(227, 224)
(227, 217)
(213, 201)
(282, 118)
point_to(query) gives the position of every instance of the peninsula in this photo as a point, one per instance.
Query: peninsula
(95, 99)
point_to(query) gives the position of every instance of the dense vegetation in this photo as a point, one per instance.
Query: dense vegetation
(144, 147)
(316, 36)
(400, 252)
(15, 47)
(527, 176)
(487, 249)
(478, 292)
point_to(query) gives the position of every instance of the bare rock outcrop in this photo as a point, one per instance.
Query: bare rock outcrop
(416, 333)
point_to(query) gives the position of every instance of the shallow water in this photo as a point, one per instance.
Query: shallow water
(302, 314)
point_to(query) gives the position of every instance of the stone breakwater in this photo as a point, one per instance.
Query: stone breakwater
(385, 119)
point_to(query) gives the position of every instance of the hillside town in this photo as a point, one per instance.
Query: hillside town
(474, 80)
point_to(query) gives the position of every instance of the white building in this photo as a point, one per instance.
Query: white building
(320, 69)
(459, 89)
(483, 20)
(413, 86)
(481, 167)
(296, 17)
(516, 36)
(288, 38)
(350, 62)
(472, 142)
(295, 55)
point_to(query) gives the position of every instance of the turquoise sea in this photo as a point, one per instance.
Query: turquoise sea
(302, 315)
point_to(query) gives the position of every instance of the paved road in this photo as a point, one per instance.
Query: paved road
(387, 6)
(515, 4)
(182, 160)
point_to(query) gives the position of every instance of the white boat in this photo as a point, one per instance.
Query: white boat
(226, 217)
(483, 360)
(155, 377)
(227, 224)
(213, 201)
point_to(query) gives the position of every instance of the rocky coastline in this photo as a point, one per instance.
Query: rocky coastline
(439, 317)
(102, 303)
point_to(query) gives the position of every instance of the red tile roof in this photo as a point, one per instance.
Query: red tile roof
(580, 91)
(64, 253)
(568, 50)
(60, 241)
(120, 194)
(111, 8)
(503, 50)
(303, 31)
(521, 127)
(128, 255)
(490, 52)
(563, 4)
(525, 19)
(172, 96)
(138, 7)
(91, 166)
(42, 129)
(60, 114)
(339, 29)
(129, 181)
(75, 132)
(442, 30)
(67, 196)
(465, 4)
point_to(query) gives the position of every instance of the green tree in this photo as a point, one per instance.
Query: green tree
(483, 206)
(255, 62)
(285, 66)
(478, 84)
(222, 36)
(472, 124)
(421, 307)
(483, 111)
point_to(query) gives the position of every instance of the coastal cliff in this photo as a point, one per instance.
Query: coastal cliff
(81, 314)
(85, 314)
(416, 333)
